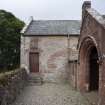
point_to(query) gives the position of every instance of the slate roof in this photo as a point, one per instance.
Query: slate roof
(53, 27)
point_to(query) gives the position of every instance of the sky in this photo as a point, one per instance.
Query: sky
(49, 9)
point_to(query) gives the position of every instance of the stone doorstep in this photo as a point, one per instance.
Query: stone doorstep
(34, 75)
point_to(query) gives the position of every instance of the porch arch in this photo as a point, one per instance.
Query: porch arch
(88, 50)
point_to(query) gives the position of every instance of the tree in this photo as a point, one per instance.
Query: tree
(10, 27)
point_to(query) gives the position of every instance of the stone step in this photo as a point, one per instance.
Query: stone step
(35, 79)
(31, 83)
(35, 82)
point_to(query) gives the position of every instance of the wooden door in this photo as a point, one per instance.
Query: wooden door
(34, 62)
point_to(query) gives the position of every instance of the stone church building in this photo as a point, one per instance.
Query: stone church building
(47, 46)
(70, 50)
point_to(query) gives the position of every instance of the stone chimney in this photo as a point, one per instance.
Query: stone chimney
(103, 16)
(86, 5)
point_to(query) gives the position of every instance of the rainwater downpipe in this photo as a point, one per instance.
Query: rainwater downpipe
(68, 47)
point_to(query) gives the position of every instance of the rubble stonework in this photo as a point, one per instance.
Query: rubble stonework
(53, 56)
(11, 85)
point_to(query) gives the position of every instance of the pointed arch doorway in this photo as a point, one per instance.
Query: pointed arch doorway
(88, 75)
(93, 70)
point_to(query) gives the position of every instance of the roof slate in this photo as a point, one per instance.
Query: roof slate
(53, 27)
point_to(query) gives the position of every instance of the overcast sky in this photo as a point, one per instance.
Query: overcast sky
(48, 9)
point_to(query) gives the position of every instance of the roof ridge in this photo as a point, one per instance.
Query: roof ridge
(56, 20)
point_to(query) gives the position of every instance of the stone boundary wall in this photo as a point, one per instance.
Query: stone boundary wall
(11, 85)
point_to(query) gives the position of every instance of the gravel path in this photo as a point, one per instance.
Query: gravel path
(50, 94)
